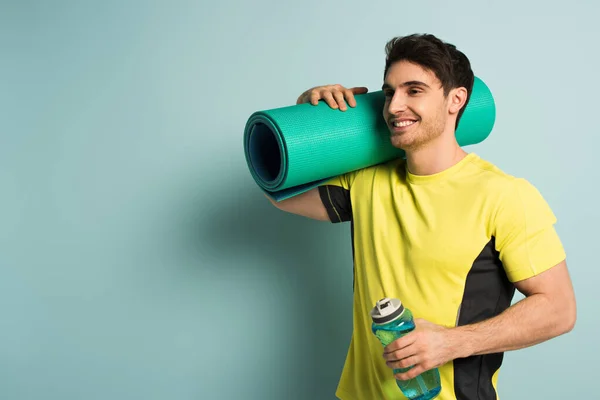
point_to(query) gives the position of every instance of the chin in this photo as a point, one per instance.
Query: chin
(402, 142)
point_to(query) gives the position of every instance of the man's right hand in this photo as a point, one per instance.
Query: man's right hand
(335, 96)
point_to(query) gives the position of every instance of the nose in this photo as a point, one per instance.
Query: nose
(397, 103)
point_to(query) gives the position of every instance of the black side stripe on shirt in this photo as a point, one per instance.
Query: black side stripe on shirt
(487, 293)
(337, 203)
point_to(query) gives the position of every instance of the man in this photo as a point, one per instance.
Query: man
(445, 231)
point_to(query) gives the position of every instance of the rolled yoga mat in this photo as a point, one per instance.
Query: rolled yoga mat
(293, 149)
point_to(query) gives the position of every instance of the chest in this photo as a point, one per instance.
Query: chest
(433, 227)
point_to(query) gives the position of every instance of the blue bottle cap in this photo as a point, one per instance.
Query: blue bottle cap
(386, 310)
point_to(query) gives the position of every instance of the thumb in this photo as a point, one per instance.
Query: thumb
(359, 90)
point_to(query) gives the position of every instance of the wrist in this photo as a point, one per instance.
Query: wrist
(461, 340)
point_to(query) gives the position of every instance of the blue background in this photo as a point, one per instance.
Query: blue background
(138, 260)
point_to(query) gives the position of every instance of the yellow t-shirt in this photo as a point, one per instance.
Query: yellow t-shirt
(449, 246)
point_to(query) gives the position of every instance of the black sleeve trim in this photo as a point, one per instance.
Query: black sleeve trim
(337, 203)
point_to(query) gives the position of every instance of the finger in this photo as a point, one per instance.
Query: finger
(403, 363)
(328, 97)
(401, 343)
(411, 373)
(314, 97)
(407, 352)
(350, 97)
(339, 97)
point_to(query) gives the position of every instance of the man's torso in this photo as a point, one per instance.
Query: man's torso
(427, 240)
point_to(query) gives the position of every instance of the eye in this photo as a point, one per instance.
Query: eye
(414, 91)
(388, 93)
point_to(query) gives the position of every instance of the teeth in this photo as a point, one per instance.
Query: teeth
(403, 123)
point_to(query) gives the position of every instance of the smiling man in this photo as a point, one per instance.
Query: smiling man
(445, 231)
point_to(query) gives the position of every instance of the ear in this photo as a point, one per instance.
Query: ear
(457, 99)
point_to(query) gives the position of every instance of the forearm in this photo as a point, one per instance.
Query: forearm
(533, 320)
(307, 204)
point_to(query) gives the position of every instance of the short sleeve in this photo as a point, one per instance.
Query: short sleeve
(335, 194)
(524, 231)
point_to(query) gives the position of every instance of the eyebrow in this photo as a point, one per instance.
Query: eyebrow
(409, 83)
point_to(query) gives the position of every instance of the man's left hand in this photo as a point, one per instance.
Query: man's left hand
(428, 346)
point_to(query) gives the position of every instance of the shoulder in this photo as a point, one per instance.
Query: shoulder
(510, 196)
(497, 181)
(380, 172)
(391, 167)
(490, 172)
(515, 199)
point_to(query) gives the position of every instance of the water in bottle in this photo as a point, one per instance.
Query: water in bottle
(391, 321)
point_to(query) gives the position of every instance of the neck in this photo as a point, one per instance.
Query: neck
(435, 156)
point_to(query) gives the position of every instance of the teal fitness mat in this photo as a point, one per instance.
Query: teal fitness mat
(293, 149)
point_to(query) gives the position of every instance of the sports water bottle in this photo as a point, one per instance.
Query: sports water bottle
(391, 321)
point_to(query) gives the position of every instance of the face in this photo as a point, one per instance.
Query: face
(416, 110)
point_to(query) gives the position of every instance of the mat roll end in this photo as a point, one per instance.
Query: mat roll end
(265, 151)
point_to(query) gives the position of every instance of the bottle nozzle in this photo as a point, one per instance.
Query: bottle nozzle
(386, 310)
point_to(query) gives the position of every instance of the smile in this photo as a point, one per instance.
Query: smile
(402, 124)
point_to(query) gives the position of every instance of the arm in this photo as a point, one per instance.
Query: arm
(549, 310)
(307, 204)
